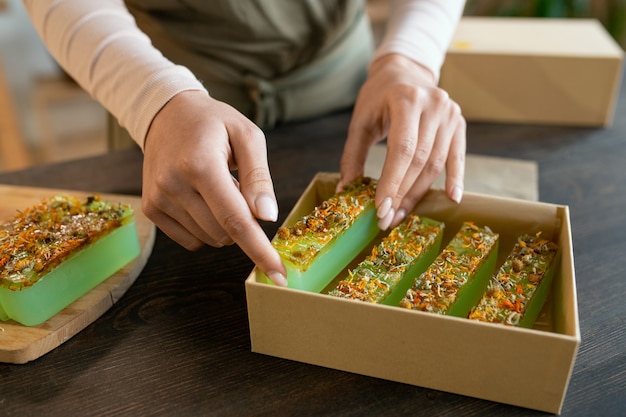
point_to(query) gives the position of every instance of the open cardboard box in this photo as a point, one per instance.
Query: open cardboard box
(534, 70)
(524, 367)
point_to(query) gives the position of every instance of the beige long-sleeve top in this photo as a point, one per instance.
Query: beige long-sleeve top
(99, 44)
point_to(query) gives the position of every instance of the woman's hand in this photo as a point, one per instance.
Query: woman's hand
(193, 145)
(425, 133)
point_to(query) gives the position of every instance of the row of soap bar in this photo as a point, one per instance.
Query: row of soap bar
(460, 281)
(452, 282)
(409, 269)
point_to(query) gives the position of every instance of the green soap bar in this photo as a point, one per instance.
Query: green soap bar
(457, 278)
(387, 273)
(320, 245)
(516, 295)
(55, 254)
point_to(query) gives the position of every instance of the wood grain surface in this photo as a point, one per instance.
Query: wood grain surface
(20, 344)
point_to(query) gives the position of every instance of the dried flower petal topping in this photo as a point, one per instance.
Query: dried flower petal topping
(375, 277)
(303, 241)
(436, 289)
(510, 291)
(41, 237)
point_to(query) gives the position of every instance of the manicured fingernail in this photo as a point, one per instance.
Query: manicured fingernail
(277, 278)
(266, 208)
(400, 215)
(383, 209)
(383, 224)
(457, 194)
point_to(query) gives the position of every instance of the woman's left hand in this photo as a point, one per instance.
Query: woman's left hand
(425, 133)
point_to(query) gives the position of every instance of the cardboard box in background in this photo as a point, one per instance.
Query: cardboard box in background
(524, 367)
(534, 70)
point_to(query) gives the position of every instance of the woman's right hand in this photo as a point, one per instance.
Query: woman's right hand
(193, 145)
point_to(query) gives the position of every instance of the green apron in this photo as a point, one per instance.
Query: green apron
(273, 60)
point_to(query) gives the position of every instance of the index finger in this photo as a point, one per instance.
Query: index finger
(234, 207)
(401, 144)
(233, 214)
(250, 153)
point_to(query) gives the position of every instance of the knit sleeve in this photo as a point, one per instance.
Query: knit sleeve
(99, 45)
(421, 30)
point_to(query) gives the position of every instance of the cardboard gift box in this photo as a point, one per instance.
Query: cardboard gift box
(451, 354)
(534, 70)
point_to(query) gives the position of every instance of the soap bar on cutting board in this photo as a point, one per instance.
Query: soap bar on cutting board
(321, 244)
(385, 275)
(458, 277)
(55, 252)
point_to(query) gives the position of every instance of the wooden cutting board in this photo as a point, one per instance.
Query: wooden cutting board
(21, 344)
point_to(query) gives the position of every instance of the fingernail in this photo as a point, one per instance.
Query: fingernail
(266, 208)
(383, 224)
(457, 194)
(400, 215)
(383, 209)
(277, 278)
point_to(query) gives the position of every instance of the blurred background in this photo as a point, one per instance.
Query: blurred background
(611, 13)
(46, 117)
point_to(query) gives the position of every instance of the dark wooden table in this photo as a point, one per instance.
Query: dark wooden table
(177, 343)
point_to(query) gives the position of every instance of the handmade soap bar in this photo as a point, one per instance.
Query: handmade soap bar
(515, 296)
(457, 278)
(321, 244)
(386, 274)
(54, 252)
